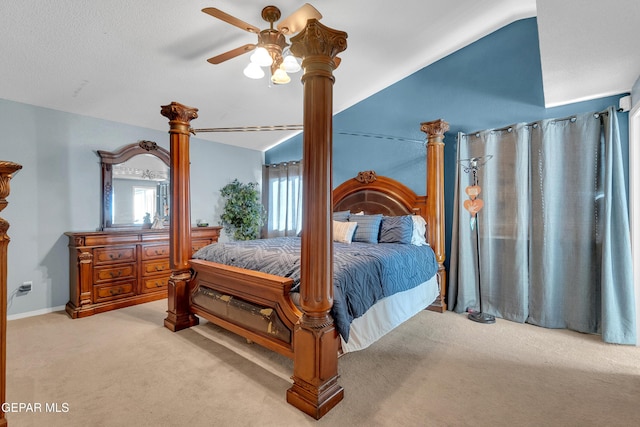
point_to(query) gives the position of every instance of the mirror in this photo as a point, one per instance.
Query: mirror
(135, 186)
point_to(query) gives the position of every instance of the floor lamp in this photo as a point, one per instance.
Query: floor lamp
(474, 205)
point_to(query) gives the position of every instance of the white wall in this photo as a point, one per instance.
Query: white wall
(58, 190)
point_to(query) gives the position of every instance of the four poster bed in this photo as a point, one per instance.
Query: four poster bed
(258, 305)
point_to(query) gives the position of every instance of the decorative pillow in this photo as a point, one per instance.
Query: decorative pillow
(341, 216)
(343, 231)
(419, 231)
(368, 228)
(396, 229)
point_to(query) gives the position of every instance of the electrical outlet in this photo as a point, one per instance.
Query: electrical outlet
(25, 287)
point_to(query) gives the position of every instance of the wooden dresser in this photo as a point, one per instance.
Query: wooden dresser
(115, 269)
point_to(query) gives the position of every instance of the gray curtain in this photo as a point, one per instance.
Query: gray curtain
(282, 198)
(553, 235)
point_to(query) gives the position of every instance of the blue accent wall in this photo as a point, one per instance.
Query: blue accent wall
(494, 82)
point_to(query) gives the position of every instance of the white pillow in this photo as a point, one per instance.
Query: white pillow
(343, 231)
(419, 231)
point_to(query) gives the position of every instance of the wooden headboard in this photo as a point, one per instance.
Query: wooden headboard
(375, 194)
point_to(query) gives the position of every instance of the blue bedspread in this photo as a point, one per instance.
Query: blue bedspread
(363, 273)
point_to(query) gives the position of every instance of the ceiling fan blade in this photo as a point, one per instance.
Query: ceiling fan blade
(217, 13)
(231, 54)
(298, 19)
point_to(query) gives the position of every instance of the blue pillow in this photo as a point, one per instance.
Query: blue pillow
(341, 216)
(396, 229)
(368, 228)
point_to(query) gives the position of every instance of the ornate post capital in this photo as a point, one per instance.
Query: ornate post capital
(435, 129)
(317, 40)
(179, 116)
(7, 169)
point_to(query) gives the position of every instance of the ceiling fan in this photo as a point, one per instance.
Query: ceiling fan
(270, 48)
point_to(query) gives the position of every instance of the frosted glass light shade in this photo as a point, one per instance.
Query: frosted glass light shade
(253, 71)
(261, 57)
(290, 64)
(280, 77)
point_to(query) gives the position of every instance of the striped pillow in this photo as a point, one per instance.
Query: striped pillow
(343, 231)
(396, 229)
(341, 216)
(368, 228)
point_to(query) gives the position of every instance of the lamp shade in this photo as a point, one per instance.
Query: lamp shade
(253, 71)
(290, 64)
(261, 57)
(280, 77)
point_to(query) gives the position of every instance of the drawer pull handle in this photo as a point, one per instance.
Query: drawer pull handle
(159, 284)
(115, 274)
(160, 252)
(159, 267)
(116, 291)
(118, 256)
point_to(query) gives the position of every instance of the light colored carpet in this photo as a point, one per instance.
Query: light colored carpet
(123, 368)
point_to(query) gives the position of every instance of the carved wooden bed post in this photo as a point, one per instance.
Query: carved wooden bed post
(178, 315)
(6, 171)
(435, 183)
(315, 387)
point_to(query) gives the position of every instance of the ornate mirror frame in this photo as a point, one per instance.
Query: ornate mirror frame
(108, 160)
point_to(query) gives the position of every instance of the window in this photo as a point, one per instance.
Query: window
(282, 197)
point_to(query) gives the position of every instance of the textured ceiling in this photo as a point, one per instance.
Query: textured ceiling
(121, 60)
(589, 48)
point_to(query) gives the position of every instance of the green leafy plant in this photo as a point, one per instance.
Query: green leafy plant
(243, 214)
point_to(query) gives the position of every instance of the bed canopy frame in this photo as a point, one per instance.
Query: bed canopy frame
(314, 342)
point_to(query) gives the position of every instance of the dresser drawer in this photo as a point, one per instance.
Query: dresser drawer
(114, 272)
(116, 268)
(117, 254)
(155, 251)
(155, 267)
(113, 291)
(152, 284)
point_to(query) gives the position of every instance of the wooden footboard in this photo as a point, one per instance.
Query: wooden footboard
(249, 303)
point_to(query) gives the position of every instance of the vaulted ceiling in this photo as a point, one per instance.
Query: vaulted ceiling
(121, 60)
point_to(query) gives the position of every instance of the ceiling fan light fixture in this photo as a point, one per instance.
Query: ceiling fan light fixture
(253, 71)
(280, 76)
(261, 57)
(290, 64)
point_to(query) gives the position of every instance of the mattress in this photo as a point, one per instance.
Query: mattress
(363, 273)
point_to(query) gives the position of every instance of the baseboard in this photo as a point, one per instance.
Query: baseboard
(35, 313)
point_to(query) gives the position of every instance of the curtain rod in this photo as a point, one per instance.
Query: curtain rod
(301, 127)
(248, 128)
(535, 123)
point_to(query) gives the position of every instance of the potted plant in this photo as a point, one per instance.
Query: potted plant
(243, 214)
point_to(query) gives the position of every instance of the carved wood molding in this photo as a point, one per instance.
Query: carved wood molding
(179, 116)
(108, 158)
(366, 177)
(148, 145)
(435, 129)
(318, 39)
(320, 44)
(7, 169)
